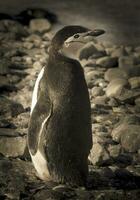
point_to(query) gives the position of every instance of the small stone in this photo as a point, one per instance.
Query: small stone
(98, 155)
(134, 82)
(28, 45)
(37, 65)
(114, 73)
(97, 91)
(114, 150)
(90, 50)
(100, 100)
(107, 62)
(112, 102)
(115, 87)
(39, 25)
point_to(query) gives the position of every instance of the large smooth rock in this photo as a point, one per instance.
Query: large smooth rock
(91, 50)
(134, 82)
(114, 73)
(39, 25)
(115, 87)
(107, 62)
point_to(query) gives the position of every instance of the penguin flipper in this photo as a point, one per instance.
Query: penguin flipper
(39, 117)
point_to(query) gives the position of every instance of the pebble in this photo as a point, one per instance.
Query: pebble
(97, 91)
(114, 150)
(98, 155)
(134, 82)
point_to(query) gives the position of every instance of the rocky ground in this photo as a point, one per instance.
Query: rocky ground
(113, 77)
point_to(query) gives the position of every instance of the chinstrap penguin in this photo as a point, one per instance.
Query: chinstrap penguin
(60, 136)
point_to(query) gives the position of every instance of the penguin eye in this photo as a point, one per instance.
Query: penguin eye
(76, 36)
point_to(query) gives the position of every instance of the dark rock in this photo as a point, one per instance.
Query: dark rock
(9, 108)
(9, 26)
(7, 132)
(25, 16)
(4, 67)
(6, 124)
(107, 62)
(91, 50)
(5, 84)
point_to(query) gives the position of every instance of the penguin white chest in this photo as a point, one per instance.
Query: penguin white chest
(35, 91)
(39, 159)
(40, 165)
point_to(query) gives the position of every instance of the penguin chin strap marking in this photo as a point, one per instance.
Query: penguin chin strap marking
(34, 98)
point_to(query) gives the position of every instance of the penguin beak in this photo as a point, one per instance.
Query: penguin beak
(95, 33)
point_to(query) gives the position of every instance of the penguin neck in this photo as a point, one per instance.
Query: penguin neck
(59, 54)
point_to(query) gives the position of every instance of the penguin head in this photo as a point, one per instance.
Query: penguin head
(71, 34)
